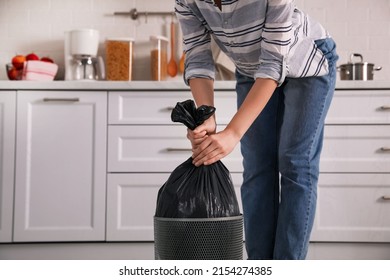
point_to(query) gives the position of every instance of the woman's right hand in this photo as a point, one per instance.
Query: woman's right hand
(201, 132)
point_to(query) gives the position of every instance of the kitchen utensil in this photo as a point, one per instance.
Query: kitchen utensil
(357, 70)
(172, 65)
(181, 62)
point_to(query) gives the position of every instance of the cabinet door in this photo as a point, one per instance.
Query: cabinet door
(60, 166)
(7, 153)
(131, 204)
(353, 208)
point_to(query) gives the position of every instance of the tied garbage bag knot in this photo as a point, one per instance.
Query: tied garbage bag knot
(206, 191)
(186, 113)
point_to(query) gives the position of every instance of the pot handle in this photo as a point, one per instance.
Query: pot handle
(355, 55)
(377, 68)
(346, 71)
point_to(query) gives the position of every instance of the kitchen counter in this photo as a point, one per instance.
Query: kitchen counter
(148, 85)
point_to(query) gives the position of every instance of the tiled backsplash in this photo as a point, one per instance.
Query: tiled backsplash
(358, 26)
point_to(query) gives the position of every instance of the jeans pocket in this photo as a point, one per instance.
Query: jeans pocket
(328, 48)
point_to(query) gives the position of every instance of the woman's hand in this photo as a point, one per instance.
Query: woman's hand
(214, 147)
(197, 135)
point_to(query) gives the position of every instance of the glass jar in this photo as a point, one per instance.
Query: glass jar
(159, 58)
(119, 59)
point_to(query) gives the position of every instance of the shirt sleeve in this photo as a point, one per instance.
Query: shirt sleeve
(199, 61)
(276, 40)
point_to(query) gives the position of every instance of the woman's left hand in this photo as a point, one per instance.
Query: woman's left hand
(214, 147)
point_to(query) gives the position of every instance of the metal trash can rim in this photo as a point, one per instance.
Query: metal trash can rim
(199, 219)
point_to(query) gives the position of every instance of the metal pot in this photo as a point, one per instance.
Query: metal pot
(357, 70)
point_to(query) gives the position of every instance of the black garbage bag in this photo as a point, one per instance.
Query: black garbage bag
(206, 191)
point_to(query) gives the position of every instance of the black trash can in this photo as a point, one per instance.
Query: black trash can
(198, 238)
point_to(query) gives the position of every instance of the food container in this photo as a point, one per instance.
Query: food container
(119, 59)
(357, 70)
(159, 58)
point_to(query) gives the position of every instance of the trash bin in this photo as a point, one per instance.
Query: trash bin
(198, 238)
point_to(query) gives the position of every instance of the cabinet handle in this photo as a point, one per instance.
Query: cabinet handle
(170, 150)
(167, 109)
(386, 197)
(385, 149)
(385, 107)
(61, 99)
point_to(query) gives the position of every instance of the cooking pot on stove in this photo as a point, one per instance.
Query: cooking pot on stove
(357, 70)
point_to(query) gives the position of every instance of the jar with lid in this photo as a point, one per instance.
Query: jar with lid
(119, 59)
(159, 58)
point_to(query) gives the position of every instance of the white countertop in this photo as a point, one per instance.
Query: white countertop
(152, 85)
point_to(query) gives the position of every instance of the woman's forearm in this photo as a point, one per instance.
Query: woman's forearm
(203, 91)
(209, 147)
(257, 98)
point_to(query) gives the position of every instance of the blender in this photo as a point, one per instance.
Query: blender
(81, 60)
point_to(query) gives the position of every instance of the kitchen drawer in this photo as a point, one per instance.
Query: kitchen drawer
(353, 208)
(360, 107)
(131, 204)
(153, 107)
(154, 148)
(356, 148)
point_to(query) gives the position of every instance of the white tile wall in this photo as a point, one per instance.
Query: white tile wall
(361, 26)
(358, 26)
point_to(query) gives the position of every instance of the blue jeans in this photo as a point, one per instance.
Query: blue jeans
(281, 154)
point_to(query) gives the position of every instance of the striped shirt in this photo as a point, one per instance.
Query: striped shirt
(264, 38)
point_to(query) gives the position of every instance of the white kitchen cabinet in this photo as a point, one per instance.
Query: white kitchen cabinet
(60, 166)
(7, 154)
(131, 203)
(353, 208)
(354, 184)
(356, 149)
(144, 147)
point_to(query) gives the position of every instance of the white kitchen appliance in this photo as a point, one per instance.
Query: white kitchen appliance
(81, 60)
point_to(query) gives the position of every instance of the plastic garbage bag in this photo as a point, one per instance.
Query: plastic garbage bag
(206, 191)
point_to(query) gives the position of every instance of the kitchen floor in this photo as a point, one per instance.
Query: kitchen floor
(145, 251)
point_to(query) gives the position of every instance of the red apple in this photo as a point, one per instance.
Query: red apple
(47, 59)
(18, 61)
(32, 56)
(13, 74)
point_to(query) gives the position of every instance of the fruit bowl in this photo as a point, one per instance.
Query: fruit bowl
(13, 73)
(31, 67)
